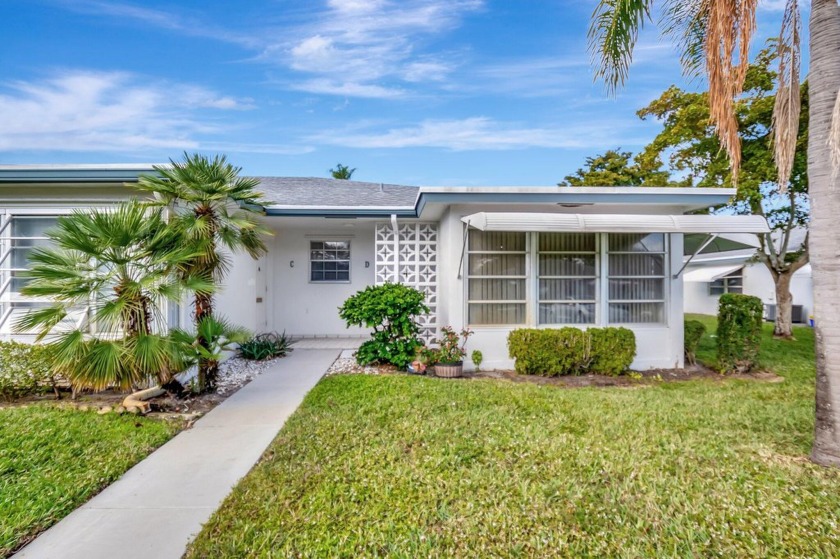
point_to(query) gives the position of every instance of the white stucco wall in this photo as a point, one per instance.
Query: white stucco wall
(757, 282)
(658, 346)
(293, 303)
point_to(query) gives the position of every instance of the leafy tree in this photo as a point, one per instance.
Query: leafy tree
(614, 168)
(718, 34)
(106, 276)
(692, 148)
(342, 172)
(214, 209)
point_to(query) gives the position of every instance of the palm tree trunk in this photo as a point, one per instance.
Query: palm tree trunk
(823, 87)
(206, 376)
(783, 328)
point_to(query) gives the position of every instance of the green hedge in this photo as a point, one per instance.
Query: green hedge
(738, 332)
(693, 333)
(572, 351)
(25, 369)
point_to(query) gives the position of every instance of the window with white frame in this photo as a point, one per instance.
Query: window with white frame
(329, 261)
(568, 278)
(19, 235)
(730, 283)
(546, 279)
(497, 274)
(637, 268)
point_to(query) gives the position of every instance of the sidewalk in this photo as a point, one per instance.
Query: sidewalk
(159, 505)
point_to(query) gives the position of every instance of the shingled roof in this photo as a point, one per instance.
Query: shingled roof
(314, 191)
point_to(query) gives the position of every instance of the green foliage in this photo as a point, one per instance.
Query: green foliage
(390, 309)
(213, 337)
(571, 351)
(693, 333)
(207, 190)
(738, 332)
(477, 357)
(613, 168)
(613, 350)
(25, 369)
(265, 346)
(113, 268)
(342, 172)
(53, 459)
(450, 347)
(408, 466)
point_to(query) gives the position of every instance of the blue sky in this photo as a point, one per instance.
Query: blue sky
(429, 92)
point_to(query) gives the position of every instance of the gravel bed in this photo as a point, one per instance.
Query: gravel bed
(236, 372)
(348, 366)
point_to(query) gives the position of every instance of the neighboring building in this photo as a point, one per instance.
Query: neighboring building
(489, 258)
(714, 273)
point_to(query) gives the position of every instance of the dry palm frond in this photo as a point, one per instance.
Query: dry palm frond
(787, 106)
(730, 26)
(834, 139)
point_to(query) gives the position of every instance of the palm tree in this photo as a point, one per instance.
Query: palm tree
(342, 172)
(105, 277)
(214, 209)
(716, 34)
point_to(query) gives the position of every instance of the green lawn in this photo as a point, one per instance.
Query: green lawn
(54, 459)
(403, 466)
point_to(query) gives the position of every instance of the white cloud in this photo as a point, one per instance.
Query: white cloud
(163, 19)
(370, 45)
(348, 89)
(479, 133)
(106, 111)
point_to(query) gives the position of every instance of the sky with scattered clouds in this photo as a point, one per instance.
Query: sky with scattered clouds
(427, 92)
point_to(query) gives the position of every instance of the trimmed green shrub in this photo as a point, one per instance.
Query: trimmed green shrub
(571, 351)
(25, 369)
(613, 350)
(265, 346)
(738, 332)
(693, 333)
(390, 309)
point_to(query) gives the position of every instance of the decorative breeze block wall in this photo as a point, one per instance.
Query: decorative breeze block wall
(417, 261)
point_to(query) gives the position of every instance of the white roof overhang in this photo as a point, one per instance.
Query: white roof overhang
(616, 223)
(708, 274)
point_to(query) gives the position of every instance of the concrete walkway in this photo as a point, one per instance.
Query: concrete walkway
(159, 505)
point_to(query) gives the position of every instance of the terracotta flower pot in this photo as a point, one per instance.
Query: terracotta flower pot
(449, 370)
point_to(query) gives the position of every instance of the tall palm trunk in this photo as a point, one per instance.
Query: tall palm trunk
(208, 369)
(823, 87)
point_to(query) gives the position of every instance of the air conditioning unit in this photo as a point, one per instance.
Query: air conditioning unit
(797, 313)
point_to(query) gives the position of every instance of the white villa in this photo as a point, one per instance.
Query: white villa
(733, 268)
(489, 258)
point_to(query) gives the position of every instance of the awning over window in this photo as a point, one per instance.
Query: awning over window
(723, 243)
(616, 223)
(708, 274)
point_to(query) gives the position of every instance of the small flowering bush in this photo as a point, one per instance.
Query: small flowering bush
(25, 369)
(451, 348)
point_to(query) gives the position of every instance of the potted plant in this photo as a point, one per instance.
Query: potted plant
(450, 354)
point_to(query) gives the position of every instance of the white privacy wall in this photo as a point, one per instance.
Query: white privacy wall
(410, 257)
(658, 345)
